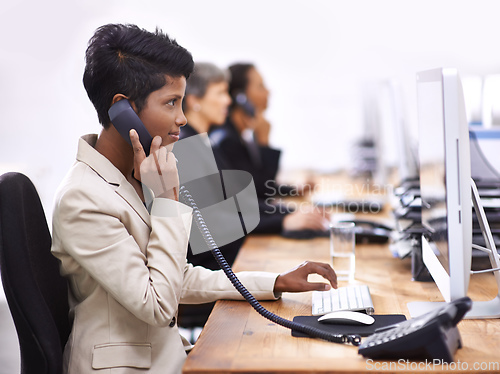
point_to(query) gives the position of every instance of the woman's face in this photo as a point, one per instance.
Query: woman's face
(162, 114)
(256, 91)
(214, 104)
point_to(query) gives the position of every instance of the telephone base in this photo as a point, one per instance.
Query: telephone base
(433, 336)
(432, 343)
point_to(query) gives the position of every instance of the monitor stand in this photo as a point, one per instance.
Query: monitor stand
(480, 309)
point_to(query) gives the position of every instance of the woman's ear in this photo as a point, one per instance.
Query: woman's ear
(119, 97)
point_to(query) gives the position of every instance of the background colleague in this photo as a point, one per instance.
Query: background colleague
(243, 144)
(244, 138)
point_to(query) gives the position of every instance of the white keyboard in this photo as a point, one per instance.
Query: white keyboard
(355, 298)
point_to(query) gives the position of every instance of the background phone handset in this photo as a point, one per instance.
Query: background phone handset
(186, 198)
(245, 104)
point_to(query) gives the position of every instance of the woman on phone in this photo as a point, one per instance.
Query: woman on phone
(126, 260)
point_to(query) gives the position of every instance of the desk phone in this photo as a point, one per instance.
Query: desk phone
(366, 232)
(433, 335)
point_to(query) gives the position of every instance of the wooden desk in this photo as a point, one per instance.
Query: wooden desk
(237, 339)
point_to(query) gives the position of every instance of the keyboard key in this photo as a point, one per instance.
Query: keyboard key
(355, 297)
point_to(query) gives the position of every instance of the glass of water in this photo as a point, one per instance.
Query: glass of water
(342, 250)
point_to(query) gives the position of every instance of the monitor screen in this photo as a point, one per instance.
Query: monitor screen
(406, 155)
(432, 166)
(445, 180)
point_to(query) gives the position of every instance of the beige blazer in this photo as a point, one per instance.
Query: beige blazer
(127, 271)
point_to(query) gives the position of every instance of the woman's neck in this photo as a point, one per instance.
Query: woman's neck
(240, 119)
(116, 149)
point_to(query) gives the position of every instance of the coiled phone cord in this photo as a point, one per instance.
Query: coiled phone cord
(311, 331)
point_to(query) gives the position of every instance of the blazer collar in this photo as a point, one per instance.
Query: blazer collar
(107, 171)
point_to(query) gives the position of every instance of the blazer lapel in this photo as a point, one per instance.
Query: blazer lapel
(127, 192)
(102, 166)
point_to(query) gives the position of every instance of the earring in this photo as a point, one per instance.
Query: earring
(196, 107)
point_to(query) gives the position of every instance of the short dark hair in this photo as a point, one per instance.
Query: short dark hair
(239, 80)
(239, 77)
(132, 61)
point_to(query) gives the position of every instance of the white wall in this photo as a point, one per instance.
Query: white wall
(315, 57)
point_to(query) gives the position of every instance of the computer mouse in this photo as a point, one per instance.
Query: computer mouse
(347, 317)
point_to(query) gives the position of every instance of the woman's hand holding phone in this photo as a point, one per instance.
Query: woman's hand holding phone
(261, 128)
(158, 171)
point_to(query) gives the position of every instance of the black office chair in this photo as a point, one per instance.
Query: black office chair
(36, 292)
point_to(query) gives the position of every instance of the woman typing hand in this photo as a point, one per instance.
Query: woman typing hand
(295, 280)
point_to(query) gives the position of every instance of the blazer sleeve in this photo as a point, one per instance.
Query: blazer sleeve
(270, 161)
(203, 285)
(271, 218)
(148, 284)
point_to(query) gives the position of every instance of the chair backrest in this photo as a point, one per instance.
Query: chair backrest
(36, 293)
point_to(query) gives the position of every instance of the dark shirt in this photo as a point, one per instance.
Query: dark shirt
(239, 155)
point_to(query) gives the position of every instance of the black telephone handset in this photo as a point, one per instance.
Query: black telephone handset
(245, 104)
(124, 118)
(186, 198)
(432, 336)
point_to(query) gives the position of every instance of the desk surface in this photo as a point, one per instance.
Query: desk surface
(237, 339)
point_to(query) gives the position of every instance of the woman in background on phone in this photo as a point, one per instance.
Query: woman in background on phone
(126, 262)
(244, 139)
(243, 144)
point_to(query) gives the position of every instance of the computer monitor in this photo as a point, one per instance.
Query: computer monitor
(407, 159)
(491, 107)
(445, 184)
(485, 166)
(386, 133)
(445, 180)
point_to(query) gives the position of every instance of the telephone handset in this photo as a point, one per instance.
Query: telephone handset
(186, 197)
(124, 118)
(433, 336)
(245, 104)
